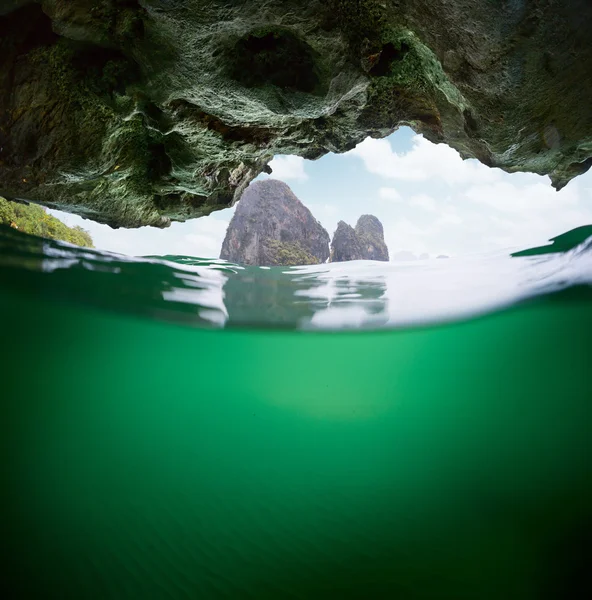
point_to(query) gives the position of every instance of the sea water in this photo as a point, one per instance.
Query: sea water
(174, 427)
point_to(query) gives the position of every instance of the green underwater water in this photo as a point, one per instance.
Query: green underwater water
(142, 458)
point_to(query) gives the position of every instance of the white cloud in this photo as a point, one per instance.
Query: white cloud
(288, 167)
(199, 237)
(424, 161)
(528, 211)
(535, 196)
(426, 234)
(424, 202)
(328, 210)
(443, 204)
(205, 237)
(389, 193)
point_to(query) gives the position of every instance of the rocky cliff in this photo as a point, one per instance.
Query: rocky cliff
(139, 112)
(365, 242)
(272, 227)
(371, 235)
(345, 244)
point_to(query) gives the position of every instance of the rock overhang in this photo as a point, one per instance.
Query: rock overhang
(139, 112)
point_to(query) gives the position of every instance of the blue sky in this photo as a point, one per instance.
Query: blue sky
(428, 199)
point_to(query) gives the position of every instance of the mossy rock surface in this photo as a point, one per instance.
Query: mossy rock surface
(139, 112)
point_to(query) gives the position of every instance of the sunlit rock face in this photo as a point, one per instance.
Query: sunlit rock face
(135, 112)
(271, 227)
(365, 242)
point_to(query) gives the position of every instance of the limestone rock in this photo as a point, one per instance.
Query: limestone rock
(365, 242)
(345, 244)
(135, 112)
(271, 227)
(371, 236)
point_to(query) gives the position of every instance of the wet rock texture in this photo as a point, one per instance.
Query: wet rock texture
(365, 242)
(271, 227)
(135, 112)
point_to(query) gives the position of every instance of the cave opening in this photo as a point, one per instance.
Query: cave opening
(431, 202)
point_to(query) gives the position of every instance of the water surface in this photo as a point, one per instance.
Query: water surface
(145, 458)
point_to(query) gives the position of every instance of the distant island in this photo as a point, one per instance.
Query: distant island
(407, 255)
(271, 227)
(365, 242)
(33, 219)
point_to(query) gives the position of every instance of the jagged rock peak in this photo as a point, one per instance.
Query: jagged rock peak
(345, 245)
(370, 233)
(365, 242)
(271, 227)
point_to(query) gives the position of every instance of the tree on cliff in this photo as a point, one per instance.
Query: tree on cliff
(33, 219)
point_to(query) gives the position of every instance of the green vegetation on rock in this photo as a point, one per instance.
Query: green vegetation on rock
(33, 219)
(290, 253)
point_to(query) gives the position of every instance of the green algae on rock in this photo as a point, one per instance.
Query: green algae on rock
(139, 112)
